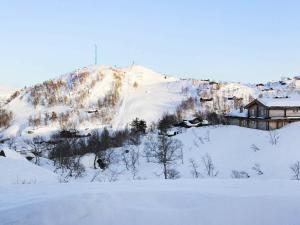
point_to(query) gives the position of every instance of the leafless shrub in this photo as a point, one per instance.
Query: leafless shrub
(36, 146)
(254, 148)
(195, 169)
(65, 158)
(63, 120)
(215, 118)
(274, 137)
(5, 118)
(25, 181)
(295, 170)
(13, 96)
(207, 136)
(130, 158)
(110, 175)
(185, 105)
(11, 143)
(166, 122)
(172, 174)
(209, 167)
(257, 169)
(239, 174)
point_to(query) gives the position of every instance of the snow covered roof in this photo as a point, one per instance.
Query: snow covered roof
(280, 102)
(238, 113)
(277, 102)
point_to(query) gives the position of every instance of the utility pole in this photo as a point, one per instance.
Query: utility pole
(96, 54)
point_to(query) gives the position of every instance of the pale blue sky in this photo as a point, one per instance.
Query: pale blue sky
(253, 40)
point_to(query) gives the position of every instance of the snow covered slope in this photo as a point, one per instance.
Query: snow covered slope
(231, 148)
(192, 202)
(15, 169)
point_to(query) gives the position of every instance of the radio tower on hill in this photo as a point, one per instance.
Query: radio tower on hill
(96, 54)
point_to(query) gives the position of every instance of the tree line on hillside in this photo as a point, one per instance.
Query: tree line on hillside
(5, 118)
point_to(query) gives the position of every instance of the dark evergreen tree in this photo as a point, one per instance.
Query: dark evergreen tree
(138, 126)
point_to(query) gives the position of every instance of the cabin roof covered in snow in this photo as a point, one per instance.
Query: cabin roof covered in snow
(237, 113)
(284, 102)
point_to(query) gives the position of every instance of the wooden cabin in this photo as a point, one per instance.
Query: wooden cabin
(268, 89)
(282, 82)
(267, 114)
(206, 99)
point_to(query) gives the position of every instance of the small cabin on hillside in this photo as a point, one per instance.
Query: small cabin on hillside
(267, 114)
(206, 99)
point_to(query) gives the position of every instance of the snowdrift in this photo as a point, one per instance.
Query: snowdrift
(15, 169)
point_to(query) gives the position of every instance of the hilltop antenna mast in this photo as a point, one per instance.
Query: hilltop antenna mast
(96, 54)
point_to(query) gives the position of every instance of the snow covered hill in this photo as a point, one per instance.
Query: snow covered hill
(98, 96)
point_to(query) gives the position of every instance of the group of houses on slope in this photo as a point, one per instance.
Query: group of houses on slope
(266, 113)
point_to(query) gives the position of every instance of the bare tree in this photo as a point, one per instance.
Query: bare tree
(36, 146)
(296, 170)
(66, 160)
(195, 169)
(130, 158)
(163, 150)
(209, 167)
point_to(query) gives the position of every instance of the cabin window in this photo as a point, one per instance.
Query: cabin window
(262, 112)
(295, 110)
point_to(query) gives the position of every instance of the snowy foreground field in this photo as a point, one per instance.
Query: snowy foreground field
(32, 195)
(182, 202)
